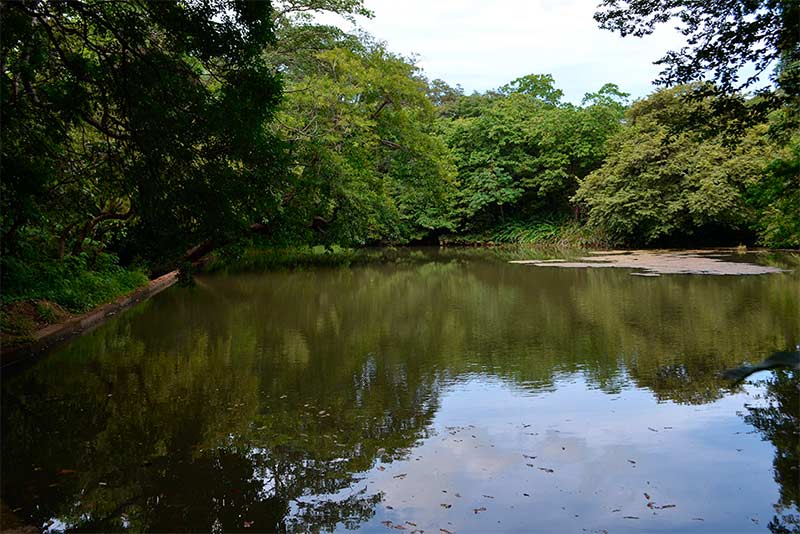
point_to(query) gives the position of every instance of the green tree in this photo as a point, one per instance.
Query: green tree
(139, 124)
(723, 36)
(520, 152)
(667, 177)
(366, 165)
(776, 195)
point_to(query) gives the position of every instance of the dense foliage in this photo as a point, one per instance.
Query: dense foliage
(141, 130)
(521, 152)
(668, 176)
(365, 164)
(723, 37)
(140, 121)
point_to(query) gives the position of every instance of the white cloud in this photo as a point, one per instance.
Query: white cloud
(483, 44)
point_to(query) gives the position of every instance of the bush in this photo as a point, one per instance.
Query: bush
(70, 283)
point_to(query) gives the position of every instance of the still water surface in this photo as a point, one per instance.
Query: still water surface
(442, 391)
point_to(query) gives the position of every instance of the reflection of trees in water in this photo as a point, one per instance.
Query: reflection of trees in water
(778, 420)
(673, 335)
(261, 399)
(184, 434)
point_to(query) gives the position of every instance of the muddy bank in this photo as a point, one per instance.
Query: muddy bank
(656, 263)
(54, 334)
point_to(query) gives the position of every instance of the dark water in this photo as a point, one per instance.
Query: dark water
(442, 392)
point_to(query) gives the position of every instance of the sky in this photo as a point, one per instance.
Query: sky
(483, 44)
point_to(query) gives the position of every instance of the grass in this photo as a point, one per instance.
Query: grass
(38, 293)
(70, 283)
(558, 233)
(254, 259)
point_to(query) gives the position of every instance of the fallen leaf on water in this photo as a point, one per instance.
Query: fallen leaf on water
(477, 510)
(387, 523)
(401, 475)
(399, 527)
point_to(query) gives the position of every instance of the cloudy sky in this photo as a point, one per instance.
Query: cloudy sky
(483, 44)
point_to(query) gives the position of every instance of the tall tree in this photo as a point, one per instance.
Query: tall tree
(520, 152)
(142, 118)
(366, 164)
(668, 177)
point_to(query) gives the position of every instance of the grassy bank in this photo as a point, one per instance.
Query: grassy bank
(557, 233)
(38, 293)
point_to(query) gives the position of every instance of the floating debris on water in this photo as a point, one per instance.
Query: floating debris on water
(656, 263)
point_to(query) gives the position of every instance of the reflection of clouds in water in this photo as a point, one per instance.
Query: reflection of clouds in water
(605, 455)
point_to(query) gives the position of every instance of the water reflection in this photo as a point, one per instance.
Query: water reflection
(291, 401)
(778, 420)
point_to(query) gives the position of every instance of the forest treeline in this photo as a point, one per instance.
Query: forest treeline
(137, 135)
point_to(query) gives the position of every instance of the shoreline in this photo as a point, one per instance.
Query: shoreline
(52, 335)
(55, 334)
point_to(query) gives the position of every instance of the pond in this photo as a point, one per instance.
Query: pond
(444, 391)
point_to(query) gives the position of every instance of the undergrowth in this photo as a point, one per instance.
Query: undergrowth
(559, 233)
(71, 283)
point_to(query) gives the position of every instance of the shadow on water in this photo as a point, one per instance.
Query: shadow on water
(778, 420)
(271, 401)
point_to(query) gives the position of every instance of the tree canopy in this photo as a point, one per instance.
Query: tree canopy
(135, 131)
(143, 119)
(722, 37)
